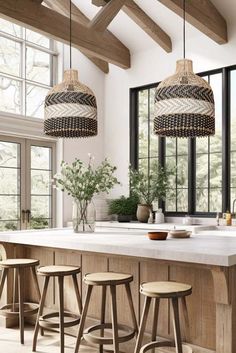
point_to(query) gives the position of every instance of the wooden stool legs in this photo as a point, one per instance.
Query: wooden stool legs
(40, 311)
(142, 324)
(176, 324)
(114, 319)
(61, 312)
(103, 314)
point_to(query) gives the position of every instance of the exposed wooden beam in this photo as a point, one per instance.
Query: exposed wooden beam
(104, 17)
(144, 21)
(203, 15)
(63, 7)
(49, 22)
(148, 25)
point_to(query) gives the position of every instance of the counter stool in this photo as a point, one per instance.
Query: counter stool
(57, 320)
(19, 309)
(158, 290)
(112, 280)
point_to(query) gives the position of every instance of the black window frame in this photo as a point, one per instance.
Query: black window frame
(226, 143)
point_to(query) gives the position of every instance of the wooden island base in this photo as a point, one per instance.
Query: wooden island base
(211, 307)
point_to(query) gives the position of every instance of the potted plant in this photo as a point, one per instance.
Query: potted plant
(82, 182)
(124, 207)
(148, 189)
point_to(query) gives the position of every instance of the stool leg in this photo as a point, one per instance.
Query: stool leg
(177, 333)
(186, 319)
(36, 283)
(131, 305)
(40, 311)
(142, 324)
(114, 319)
(83, 317)
(155, 318)
(103, 313)
(61, 312)
(77, 293)
(3, 278)
(20, 275)
(14, 289)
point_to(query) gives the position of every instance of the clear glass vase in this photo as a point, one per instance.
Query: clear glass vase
(84, 216)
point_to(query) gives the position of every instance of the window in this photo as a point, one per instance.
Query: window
(205, 178)
(26, 196)
(27, 66)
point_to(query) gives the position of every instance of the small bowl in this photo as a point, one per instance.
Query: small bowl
(157, 235)
(179, 233)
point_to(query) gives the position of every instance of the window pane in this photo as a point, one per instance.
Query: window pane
(37, 66)
(143, 166)
(202, 200)
(202, 145)
(233, 169)
(9, 207)
(40, 182)
(215, 200)
(9, 56)
(233, 135)
(216, 170)
(10, 95)
(10, 181)
(37, 38)
(9, 225)
(40, 223)
(216, 85)
(41, 157)
(182, 171)
(170, 201)
(182, 198)
(9, 154)
(40, 206)
(35, 97)
(182, 146)
(170, 146)
(10, 28)
(202, 171)
(143, 123)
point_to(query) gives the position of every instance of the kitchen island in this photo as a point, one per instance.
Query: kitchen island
(207, 262)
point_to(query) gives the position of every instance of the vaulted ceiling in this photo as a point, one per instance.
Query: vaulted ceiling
(106, 31)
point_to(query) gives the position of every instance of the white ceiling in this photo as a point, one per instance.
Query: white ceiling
(136, 39)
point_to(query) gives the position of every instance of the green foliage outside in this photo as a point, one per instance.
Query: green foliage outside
(123, 206)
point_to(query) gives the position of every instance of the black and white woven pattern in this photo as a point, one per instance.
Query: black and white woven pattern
(184, 108)
(70, 114)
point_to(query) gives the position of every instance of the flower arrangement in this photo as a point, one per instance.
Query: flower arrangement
(82, 181)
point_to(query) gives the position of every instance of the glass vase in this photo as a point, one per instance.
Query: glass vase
(84, 216)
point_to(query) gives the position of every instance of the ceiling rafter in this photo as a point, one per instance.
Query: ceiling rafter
(144, 21)
(203, 15)
(40, 18)
(107, 13)
(63, 7)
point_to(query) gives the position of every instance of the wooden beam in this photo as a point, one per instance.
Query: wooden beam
(148, 25)
(63, 7)
(144, 21)
(49, 22)
(203, 15)
(104, 17)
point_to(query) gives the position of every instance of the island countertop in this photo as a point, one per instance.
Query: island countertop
(201, 249)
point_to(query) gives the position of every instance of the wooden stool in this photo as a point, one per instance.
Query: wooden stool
(48, 321)
(112, 280)
(19, 309)
(159, 290)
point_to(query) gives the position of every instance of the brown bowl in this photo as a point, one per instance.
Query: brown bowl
(157, 235)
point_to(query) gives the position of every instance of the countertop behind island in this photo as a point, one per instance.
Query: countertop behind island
(201, 249)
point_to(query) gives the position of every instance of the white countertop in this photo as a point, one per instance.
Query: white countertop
(202, 249)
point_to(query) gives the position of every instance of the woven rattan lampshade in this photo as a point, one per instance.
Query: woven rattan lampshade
(70, 109)
(184, 104)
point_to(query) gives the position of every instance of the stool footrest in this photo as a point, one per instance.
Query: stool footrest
(159, 344)
(29, 309)
(46, 321)
(90, 338)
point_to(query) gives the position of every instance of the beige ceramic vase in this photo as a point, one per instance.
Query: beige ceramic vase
(143, 213)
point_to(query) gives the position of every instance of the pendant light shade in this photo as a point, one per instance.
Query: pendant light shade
(70, 109)
(184, 104)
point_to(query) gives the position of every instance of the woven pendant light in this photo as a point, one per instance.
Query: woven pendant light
(184, 103)
(70, 107)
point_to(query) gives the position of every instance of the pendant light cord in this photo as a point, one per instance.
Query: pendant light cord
(70, 36)
(184, 29)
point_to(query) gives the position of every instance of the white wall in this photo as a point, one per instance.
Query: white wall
(148, 67)
(79, 148)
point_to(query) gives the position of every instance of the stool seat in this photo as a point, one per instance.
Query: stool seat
(17, 263)
(58, 270)
(107, 278)
(165, 289)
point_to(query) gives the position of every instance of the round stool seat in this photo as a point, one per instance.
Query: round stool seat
(107, 278)
(58, 270)
(16, 263)
(165, 289)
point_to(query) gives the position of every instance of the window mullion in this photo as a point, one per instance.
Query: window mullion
(191, 176)
(23, 75)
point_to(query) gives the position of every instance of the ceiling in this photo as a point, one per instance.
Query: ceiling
(137, 40)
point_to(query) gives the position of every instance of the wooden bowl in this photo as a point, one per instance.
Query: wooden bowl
(157, 235)
(174, 233)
